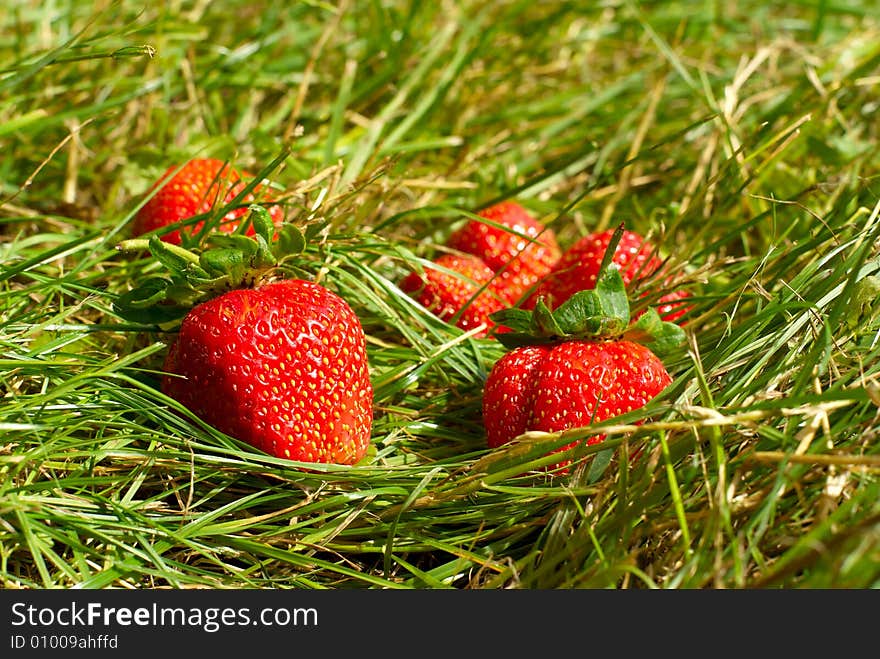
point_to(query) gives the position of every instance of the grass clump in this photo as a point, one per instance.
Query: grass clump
(739, 136)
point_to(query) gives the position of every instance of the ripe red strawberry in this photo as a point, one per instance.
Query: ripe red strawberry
(579, 266)
(514, 244)
(568, 385)
(452, 296)
(200, 185)
(575, 365)
(282, 367)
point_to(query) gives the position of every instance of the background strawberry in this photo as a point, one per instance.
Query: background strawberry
(578, 269)
(456, 296)
(199, 186)
(282, 367)
(512, 243)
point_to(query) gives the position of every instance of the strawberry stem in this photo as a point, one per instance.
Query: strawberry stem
(135, 245)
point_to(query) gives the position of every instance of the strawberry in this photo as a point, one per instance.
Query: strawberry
(576, 365)
(578, 269)
(201, 185)
(456, 296)
(568, 385)
(282, 367)
(279, 364)
(512, 243)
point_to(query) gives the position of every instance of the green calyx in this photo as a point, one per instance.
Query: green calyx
(231, 261)
(597, 314)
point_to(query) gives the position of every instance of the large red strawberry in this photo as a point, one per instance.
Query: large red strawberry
(462, 289)
(282, 367)
(578, 269)
(512, 243)
(199, 186)
(576, 365)
(568, 385)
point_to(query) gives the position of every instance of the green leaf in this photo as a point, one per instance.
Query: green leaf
(184, 295)
(264, 233)
(246, 245)
(518, 320)
(290, 241)
(148, 303)
(160, 314)
(176, 260)
(613, 300)
(511, 340)
(262, 221)
(224, 261)
(577, 312)
(662, 337)
(596, 313)
(151, 291)
(205, 287)
(544, 322)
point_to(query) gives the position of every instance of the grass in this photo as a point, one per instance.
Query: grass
(742, 137)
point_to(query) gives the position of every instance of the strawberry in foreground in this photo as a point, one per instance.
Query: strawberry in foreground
(199, 186)
(466, 295)
(579, 364)
(281, 366)
(578, 269)
(512, 243)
